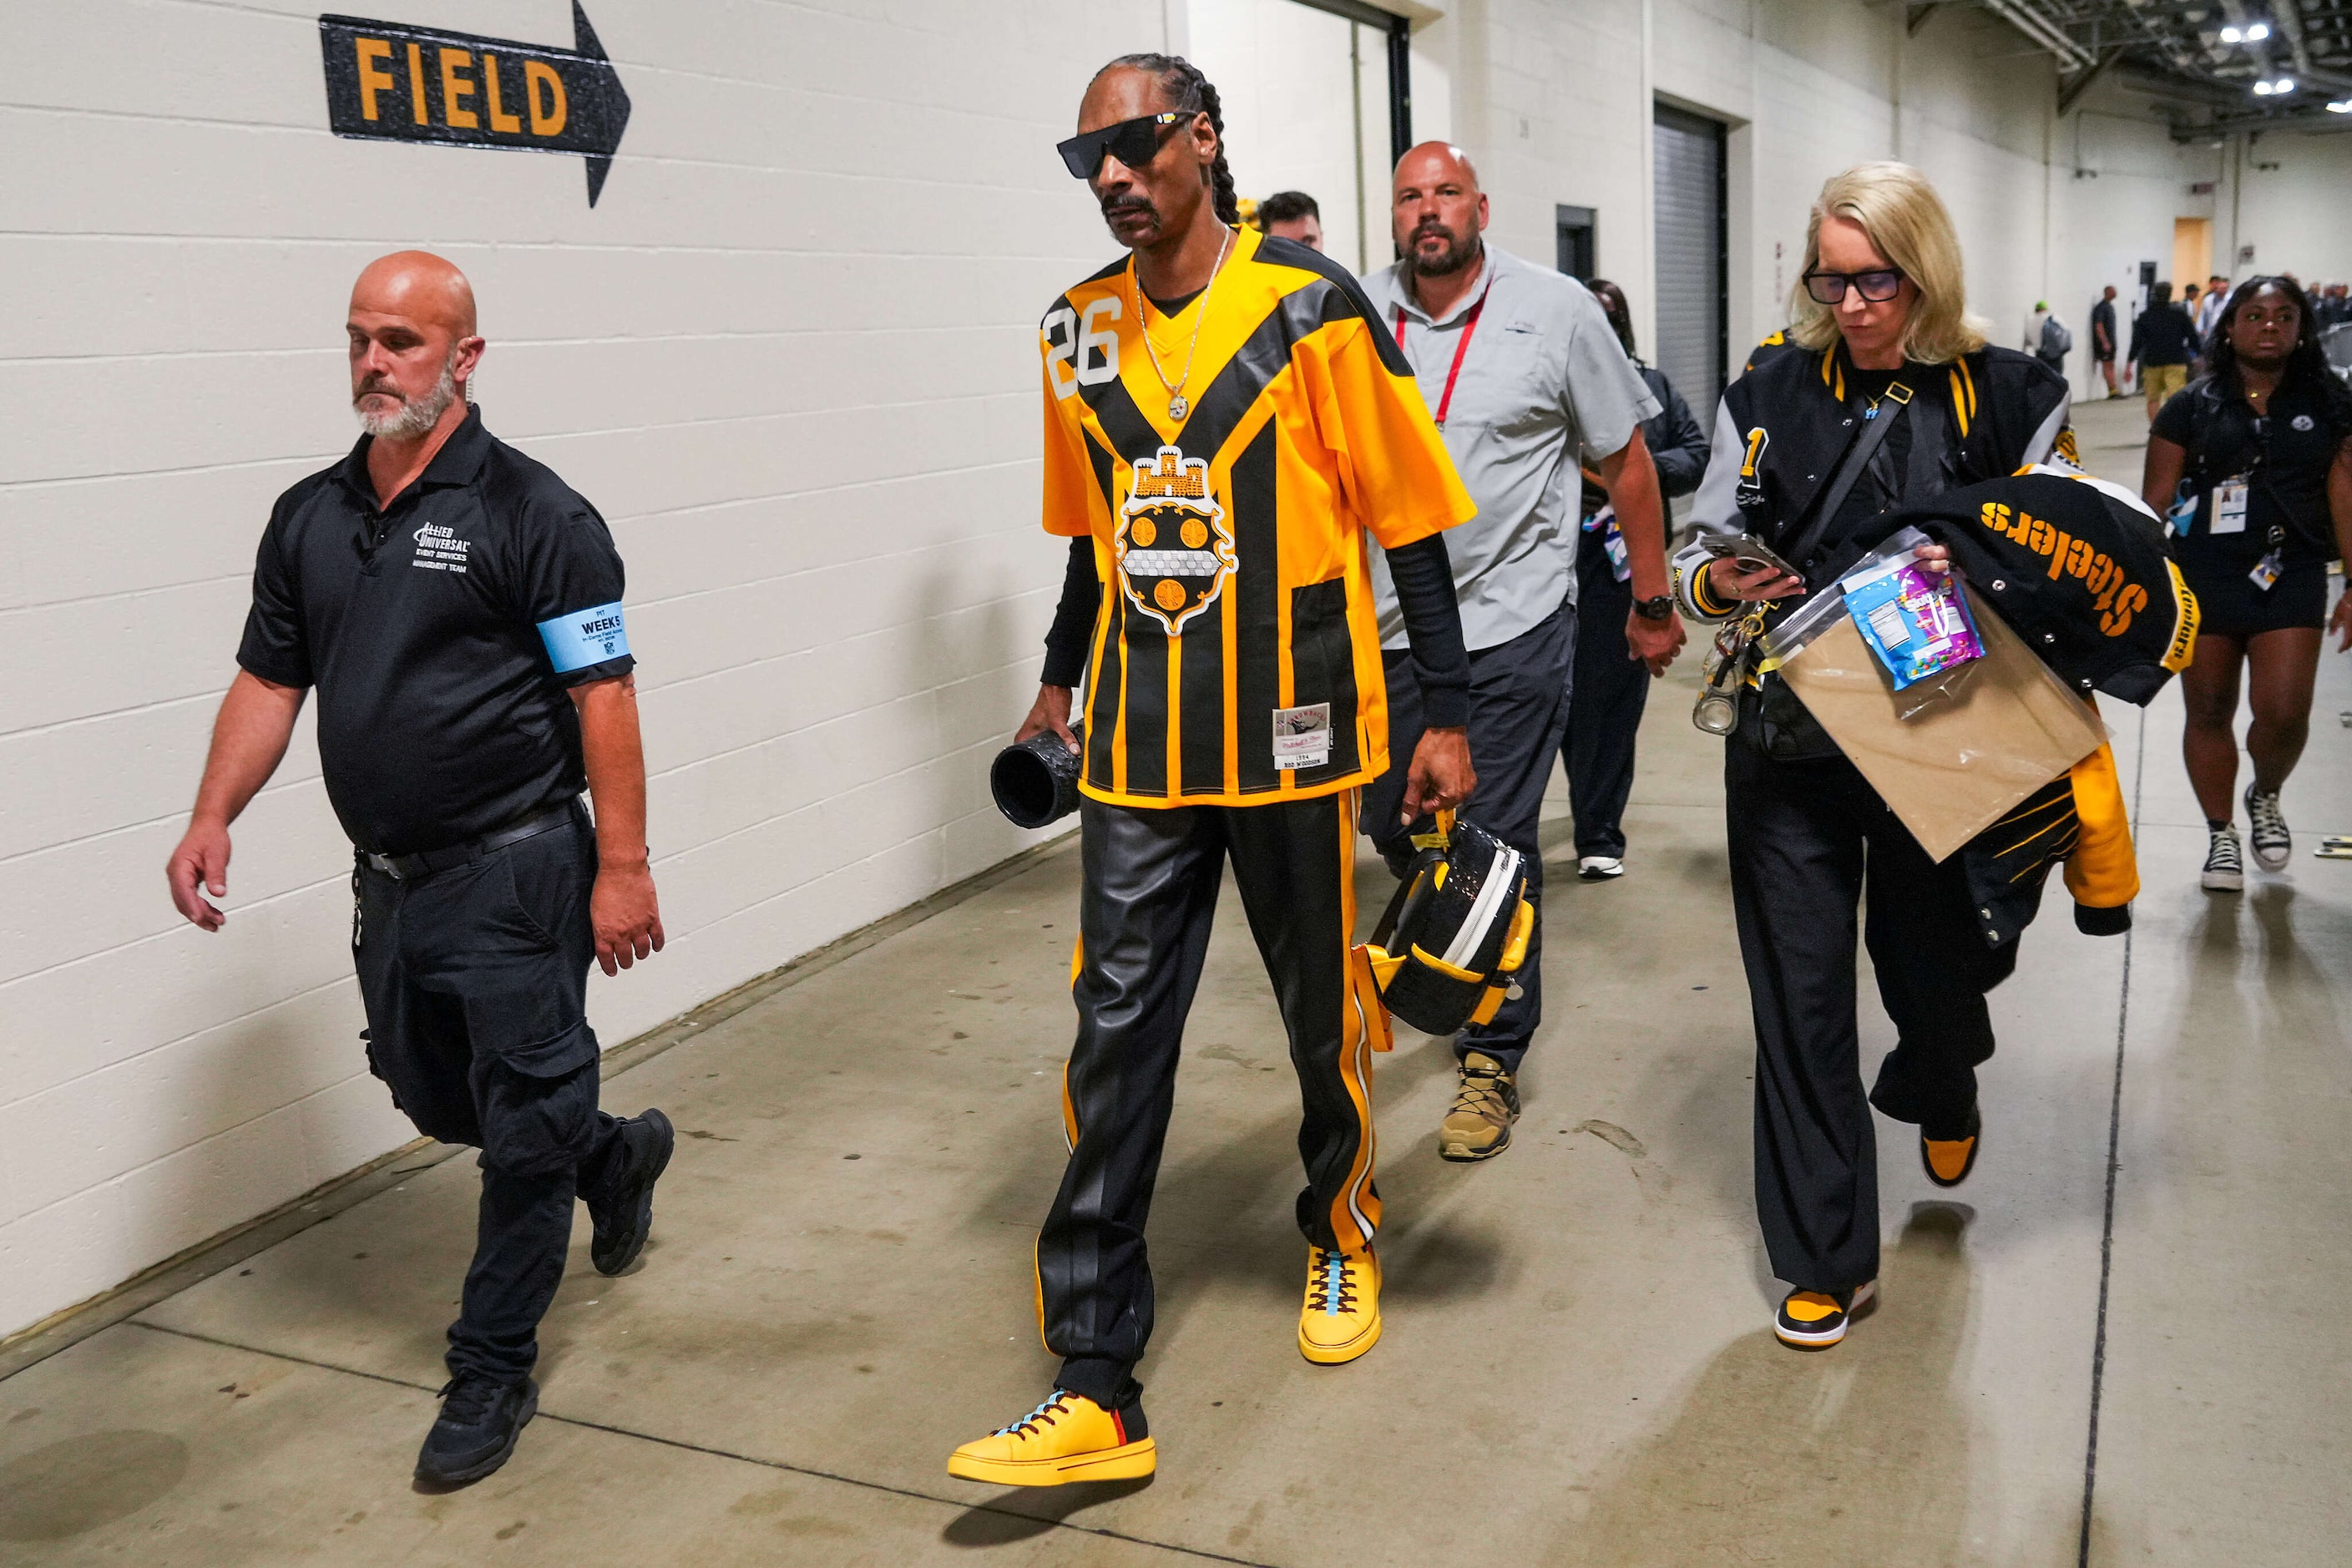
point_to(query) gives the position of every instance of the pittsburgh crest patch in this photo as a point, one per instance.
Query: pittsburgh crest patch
(1175, 549)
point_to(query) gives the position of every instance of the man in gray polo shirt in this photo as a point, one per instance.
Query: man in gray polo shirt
(1528, 382)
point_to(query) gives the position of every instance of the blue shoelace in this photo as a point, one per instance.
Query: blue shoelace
(1041, 1414)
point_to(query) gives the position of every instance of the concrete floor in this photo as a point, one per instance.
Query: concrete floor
(1576, 1366)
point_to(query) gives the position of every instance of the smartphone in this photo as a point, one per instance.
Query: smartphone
(1749, 553)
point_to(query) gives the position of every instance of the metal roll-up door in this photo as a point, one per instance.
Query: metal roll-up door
(1692, 275)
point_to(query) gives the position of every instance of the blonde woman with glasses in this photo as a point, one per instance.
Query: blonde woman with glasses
(1882, 391)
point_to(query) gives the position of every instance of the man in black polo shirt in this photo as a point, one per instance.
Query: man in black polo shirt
(459, 608)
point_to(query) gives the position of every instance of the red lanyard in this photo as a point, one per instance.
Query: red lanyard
(1469, 325)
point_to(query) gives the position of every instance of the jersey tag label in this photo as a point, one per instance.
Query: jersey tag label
(2229, 506)
(1302, 737)
(585, 637)
(1175, 552)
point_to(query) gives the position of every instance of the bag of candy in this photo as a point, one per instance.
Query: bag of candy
(1912, 617)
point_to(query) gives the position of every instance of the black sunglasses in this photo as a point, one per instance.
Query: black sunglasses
(1878, 285)
(1134, 143)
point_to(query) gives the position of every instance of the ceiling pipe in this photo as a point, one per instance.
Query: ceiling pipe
(2289, 21)
(2026, 20)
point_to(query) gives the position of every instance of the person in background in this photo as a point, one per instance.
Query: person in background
(2046, 337)
(1611, 689)
(2164, 340)
(2253, 464)
(1529, 383)
(1292, 214)
(2209, 308)
(2102, 339)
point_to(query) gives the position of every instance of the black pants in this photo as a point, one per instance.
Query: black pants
(1810, 840)
(1604, 711)
(1149, 898)
(475, 980)
(1519, 707)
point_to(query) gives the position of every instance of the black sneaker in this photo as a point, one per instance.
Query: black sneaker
(1816, 1319)
(1949, 1159)
(480, 1419)
(623, 1217)
(2267, 831)
(2225, 865)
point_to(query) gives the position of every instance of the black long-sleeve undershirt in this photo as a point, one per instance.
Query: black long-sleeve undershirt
(1423, 574)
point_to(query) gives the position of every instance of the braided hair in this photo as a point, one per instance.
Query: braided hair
(1187, 90)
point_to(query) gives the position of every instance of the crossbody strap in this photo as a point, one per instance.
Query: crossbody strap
(1873, 434)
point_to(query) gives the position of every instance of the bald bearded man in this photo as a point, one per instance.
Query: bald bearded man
(458, 609)
(1529, 385)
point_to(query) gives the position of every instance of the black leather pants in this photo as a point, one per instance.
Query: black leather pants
(1151, 893)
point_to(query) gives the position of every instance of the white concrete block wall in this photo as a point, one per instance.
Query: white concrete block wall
(789, 355)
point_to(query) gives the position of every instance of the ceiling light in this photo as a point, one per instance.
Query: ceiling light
(2283, 84)
(2341, 106)
(2258, 32)
(2262, 90)
(2232, 35)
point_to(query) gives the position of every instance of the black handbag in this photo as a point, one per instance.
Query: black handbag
(1779, 725)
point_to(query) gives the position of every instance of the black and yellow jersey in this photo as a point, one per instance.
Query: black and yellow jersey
(1236, 656)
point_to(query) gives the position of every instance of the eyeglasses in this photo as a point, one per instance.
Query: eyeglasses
(1134, 143)
(1877, 286)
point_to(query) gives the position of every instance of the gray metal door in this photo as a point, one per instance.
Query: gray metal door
(1692, 276)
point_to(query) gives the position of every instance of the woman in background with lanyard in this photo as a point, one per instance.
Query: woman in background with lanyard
(1882, 391)
(2252, 463)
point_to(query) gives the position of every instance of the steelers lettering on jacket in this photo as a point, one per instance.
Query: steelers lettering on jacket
(2114, 595)
(1175, 551)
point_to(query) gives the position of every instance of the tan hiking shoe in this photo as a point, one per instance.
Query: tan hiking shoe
(1485, 1105)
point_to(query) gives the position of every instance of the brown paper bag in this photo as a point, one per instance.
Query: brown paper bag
(1955, 769)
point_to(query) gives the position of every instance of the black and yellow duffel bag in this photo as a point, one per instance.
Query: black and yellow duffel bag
(1446, 950)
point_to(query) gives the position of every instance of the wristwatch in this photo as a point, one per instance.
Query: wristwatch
(1661, 608)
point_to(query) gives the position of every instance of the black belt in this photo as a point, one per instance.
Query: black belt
(403, 868)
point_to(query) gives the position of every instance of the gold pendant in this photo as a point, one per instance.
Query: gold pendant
(1177, 408)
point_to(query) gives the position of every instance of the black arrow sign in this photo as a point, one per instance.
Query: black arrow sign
(387, 81)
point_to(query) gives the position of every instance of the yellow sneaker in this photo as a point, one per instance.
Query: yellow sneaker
(1067, 1438)
(1341, 1317)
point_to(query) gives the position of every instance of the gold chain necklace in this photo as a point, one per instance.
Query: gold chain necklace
(1177, 406)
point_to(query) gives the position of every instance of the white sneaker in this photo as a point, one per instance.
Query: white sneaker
(2266, 825)
(1600, 868)
(2225, 869)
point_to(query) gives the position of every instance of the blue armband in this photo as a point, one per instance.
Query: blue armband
(585, 637)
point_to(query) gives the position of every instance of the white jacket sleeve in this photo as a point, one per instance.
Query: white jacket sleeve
(1715, 512)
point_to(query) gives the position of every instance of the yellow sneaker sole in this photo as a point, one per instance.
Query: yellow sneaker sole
(1121, 1464)
(1336, 1355)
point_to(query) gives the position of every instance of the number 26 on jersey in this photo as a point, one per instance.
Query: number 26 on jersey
(1081, 352)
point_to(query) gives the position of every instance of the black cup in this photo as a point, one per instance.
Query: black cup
(1036, 782)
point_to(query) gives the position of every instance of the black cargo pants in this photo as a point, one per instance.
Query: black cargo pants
(1149, 895)
(1809, 841)
(475, 980)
